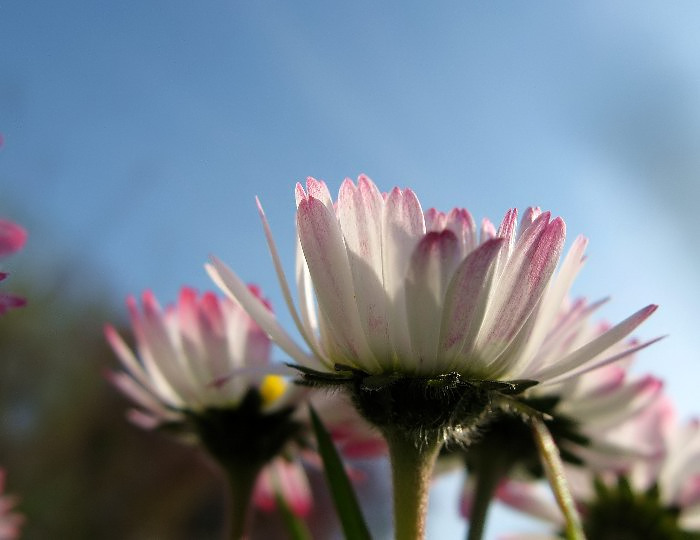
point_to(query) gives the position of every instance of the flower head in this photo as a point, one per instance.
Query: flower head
(400, 292)
(426, 293)
(202, 366)
(423, 317)
(204, 352)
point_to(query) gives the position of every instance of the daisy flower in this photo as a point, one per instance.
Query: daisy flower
(203, 352)
(202, 366)
(424, 317)
(587, 416)
(652, 497)
(386, 289)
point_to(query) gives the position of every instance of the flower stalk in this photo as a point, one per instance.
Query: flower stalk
(412, 465)
(489, 475)
(241, 482)
(554, 468)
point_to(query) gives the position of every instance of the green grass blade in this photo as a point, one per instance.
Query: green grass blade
(344, 498)
(295, 526)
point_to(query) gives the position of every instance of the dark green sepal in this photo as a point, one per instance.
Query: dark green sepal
(509, 388)
(427, 407)
(439, 406)
(376, 383)
(314, 378)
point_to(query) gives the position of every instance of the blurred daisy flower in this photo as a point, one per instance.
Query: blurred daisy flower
(202, 367)
(588, 417)
(654, 497)
(204, 352)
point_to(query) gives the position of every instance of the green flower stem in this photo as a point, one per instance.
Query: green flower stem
(489, 474)
(241, 479)
(554, 468)
(412, 465)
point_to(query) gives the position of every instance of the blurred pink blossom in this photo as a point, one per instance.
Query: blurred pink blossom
(12, 239)
(674, 471)
(10, 521)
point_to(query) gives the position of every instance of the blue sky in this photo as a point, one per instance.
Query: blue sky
(137, 135)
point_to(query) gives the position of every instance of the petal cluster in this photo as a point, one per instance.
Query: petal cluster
(202, 352)
(602, 401)
(384, 287)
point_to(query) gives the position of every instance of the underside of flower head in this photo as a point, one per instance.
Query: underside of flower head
(444, 407)
(245, 433)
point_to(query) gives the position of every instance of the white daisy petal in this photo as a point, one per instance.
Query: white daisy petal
(402, 228)
(430, 270)
(597, 346)
(232, 285)
(327, 259)
(360, 215)
(466, 301)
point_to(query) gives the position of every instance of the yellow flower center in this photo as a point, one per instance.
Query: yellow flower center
(271, 388)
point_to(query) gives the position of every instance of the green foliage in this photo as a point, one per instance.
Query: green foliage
(295, 527)
(351, 519)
